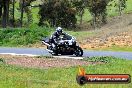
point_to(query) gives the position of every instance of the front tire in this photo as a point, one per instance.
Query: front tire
(78, 51)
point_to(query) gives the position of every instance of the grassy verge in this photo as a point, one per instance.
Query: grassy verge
(80, 35)
(22, 36)
(116, 48)
(18, 77)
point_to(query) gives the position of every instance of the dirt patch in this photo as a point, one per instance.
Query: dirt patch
(118, 32)
(121, 39)
(43, 62)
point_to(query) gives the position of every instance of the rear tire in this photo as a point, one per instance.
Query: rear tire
(78, 51)
(55, 53)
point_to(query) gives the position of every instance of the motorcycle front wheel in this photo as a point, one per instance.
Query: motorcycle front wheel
(78, 51)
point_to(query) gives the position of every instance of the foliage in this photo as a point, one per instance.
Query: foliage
(104, 59)
(98, 8)
(0, 8)
(18, 37)
(63, 12)
(2, 60)
(58, 13)
(80, 7)
(121, 5)
(27, 9)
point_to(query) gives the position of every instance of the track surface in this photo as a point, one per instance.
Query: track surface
(37, 51)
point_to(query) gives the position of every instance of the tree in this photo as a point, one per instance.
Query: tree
(80, 7)
(21, 3)
(13, 11)
(5, 15)
(58, 13)
(24, 6)
(1, 5)
(97, 8)
(121, 6)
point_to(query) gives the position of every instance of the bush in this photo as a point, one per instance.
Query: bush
(58, 13)
(105, 59)
(23, 36)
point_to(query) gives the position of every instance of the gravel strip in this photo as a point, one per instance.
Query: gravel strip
(42, 62)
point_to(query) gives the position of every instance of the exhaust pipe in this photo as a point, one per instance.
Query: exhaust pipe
(45, 43)
(49, 50)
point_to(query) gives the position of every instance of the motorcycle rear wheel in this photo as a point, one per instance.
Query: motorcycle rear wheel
(55, 53)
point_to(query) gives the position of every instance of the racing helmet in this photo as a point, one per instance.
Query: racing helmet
(59, 30)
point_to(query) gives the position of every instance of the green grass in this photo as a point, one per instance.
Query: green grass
(129, 6)
(22, 36)
(18, 77)
(79, 35)
(116, 48)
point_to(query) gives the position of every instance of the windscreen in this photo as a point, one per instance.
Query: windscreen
(67, 37)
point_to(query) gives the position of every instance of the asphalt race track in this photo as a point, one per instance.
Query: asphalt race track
(39, 52)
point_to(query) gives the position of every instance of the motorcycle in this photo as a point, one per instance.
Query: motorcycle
(66, 45)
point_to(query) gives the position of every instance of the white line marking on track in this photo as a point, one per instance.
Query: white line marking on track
(68, 57)
(14, 54)
(31, 55)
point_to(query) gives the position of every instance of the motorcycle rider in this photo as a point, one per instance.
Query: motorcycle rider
(54, 37)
